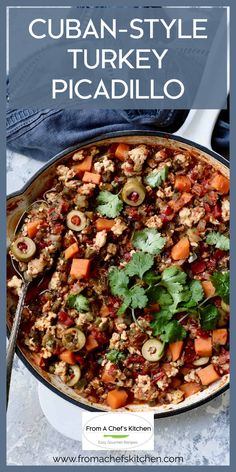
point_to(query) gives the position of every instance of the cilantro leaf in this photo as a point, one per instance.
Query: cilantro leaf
(221, 282)
(174, 279)
(126, 303)
(160, 321)
(139, 264)
(149, 240)
(173, 275)
(155, 178)
(79, 302)
(197, 293)
(209, 316)
(150, 277)
(159, 295)
(115, 356)
(118, 281)
(109, 204)
(138, 297)
(135, 298)
(218, 240)
(173, 331)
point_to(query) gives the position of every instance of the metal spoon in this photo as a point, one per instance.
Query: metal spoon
(17, 319)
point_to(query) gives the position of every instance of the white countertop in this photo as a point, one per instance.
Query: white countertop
(200, 436)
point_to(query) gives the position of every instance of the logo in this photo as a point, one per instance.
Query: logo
(117, 431)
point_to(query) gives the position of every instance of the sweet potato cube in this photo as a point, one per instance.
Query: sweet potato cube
(71, 251)
(175, 350)
(183, 183)
(220, 183)
(117, 398)
(181, 250)
(107, 377)
(189, 388)
(208, 288)
(32, 228)
(219, 336)
(185, 198)
(104, 224)
(80, 268)
(122, 151)
(83, 166)
(91, 177)
(203, 347)
(208, 375)
(68, 357)
(91, 343)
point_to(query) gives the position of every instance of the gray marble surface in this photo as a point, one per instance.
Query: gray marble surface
(200, 436)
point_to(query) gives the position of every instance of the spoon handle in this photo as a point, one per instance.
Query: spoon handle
(14, 334)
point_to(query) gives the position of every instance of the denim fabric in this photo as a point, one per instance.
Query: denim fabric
(41, 134)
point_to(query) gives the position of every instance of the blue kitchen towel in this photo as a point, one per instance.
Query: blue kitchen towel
(41, 134)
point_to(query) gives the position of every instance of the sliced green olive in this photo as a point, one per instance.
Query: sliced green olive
(23, 249)
(50, 342)
(225, 307)
(76, 220)
(133, 192)
(201, 361)
(74, 375)
(223, 319)
(73, 339)
(153, 350)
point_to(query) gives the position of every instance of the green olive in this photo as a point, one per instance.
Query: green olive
(153, 350)
(76, 220)
(23, 249)
(50, 342)
(73, 339)
(133, 192)
(225, 306)
(74, 375)
(201, 361)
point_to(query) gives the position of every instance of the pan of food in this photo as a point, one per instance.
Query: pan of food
(123, 245)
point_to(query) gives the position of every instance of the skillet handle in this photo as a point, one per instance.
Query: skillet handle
(13, 336)
(199, 126)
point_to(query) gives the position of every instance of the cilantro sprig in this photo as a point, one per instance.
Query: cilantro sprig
(79, 302)
(176, 295)
(218, 240)
(138, 286)
(156, 178)
(109, 204)
(132, 294)
(221, 282)
(149, 240)
(115, 356)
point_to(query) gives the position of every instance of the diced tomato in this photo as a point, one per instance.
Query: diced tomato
(198, 190)
(203, 334)
(218, 254)
(127, 256)
(79, 358)
(58, 228)
(207, 208)
(217, 211)
(100, 336)
(65, 319)
(158, 376)
(135, 359)
(189, 352)
(43, 244)
(133, 213)
(64, 206)
(198, 267)
(217, 301)
(168, 211)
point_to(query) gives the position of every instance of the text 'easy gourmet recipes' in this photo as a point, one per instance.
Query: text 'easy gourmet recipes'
(135, 306)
